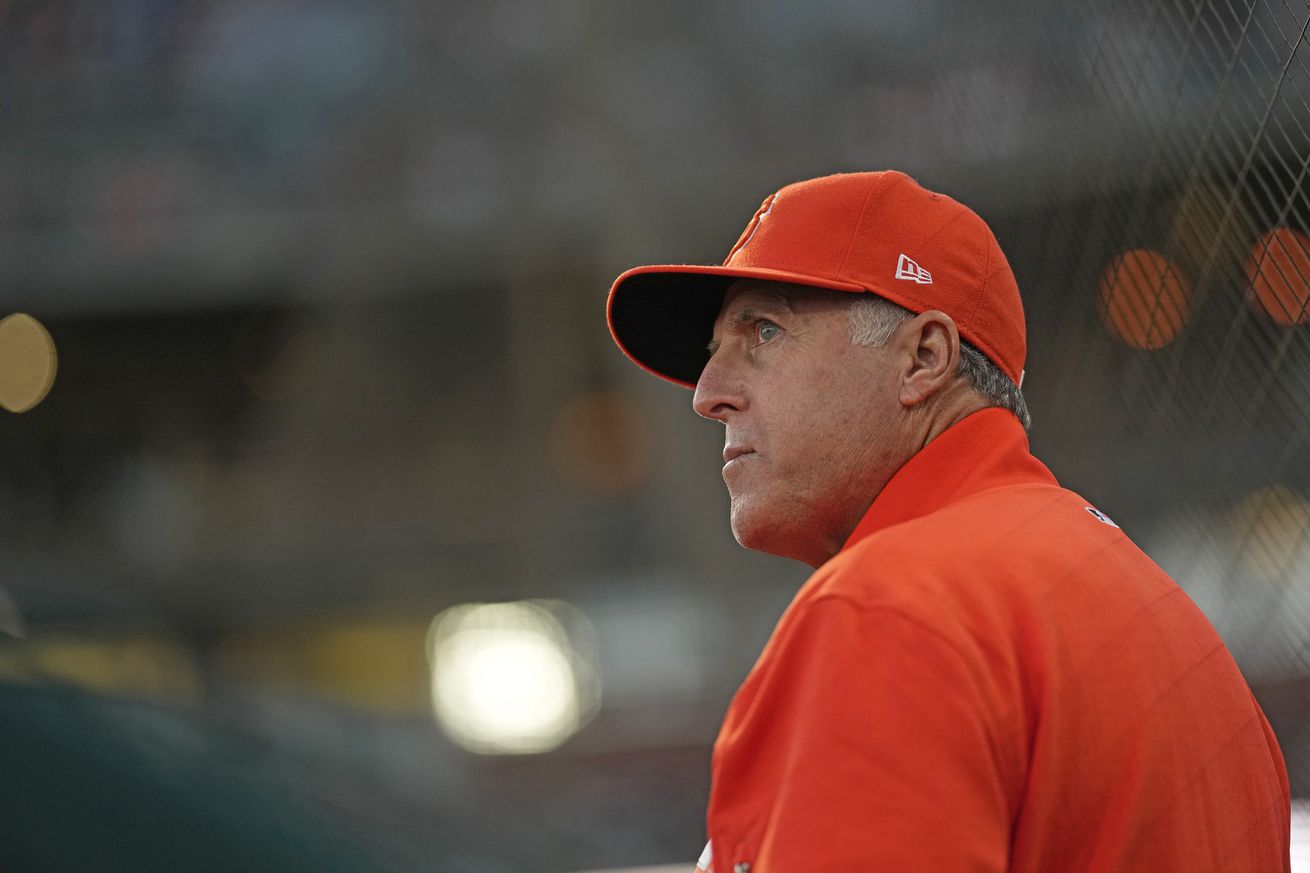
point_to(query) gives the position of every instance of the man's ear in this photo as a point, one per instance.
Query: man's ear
(932, 346)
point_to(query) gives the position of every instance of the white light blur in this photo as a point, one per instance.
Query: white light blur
(508, 679)
(1301, 836)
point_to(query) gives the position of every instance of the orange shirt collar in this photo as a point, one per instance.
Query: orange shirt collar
(987, 449)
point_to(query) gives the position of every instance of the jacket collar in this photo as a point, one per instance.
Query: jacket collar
(987, 449)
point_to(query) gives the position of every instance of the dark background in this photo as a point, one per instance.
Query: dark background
(327, 285)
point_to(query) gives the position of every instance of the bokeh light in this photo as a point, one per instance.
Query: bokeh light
(1271, 527)
(507, 678)
(601, 443)
(140, 666)
(1278, 270)
(369, 664)
(1205, 222)
(1144, 299)
(27, 362)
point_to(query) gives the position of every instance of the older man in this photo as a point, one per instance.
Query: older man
(983, 674)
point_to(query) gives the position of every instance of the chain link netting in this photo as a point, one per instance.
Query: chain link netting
(1173, 290)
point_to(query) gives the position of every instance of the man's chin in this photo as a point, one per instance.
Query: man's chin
(773, 533)
(756, 530)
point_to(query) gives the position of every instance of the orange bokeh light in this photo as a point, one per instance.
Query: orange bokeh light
(600, 441)
(1144, 299)
(1278, 269)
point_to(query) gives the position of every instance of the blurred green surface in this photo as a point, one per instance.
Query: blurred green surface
(93, 784)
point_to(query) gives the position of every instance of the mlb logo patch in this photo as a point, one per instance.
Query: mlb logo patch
(1100, 516)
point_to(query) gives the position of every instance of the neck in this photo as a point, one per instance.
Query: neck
(949, 410)
(923, 425)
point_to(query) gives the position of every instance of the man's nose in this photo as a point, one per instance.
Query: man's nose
(718, 392)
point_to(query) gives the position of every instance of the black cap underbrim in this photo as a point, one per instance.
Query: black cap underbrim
(662, 317)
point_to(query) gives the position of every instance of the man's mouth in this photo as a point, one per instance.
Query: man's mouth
(733, 455)
(730, 452)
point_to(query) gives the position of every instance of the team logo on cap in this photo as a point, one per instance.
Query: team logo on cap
(749, 233)
(908, 268)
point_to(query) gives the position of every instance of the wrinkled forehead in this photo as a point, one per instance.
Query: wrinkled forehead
(752, 292)
(756, 293)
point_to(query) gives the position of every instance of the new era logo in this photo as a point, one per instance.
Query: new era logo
(907, 268)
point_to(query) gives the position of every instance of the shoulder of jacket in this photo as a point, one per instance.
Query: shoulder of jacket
(979, 535)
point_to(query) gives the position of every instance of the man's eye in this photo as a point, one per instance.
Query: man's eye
(766, 330)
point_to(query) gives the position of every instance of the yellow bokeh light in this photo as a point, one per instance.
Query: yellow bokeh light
(27, 362)
(372, 664)
(1271, 530)
(135, 666)
(1205, 222)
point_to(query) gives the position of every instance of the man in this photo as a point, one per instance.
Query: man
(983, 673)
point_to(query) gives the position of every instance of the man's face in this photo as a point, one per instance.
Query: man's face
(814, 427)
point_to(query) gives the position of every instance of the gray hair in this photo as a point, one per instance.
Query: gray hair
(873, 321)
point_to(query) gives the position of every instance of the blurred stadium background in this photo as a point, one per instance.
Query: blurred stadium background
(325, 285)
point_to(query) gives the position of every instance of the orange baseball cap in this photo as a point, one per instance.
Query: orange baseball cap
(878, 232)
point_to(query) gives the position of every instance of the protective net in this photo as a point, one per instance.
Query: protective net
(1171, 306)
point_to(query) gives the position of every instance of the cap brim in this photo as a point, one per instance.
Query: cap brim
(662, 317)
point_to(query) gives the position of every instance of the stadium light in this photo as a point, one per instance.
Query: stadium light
(507, 678)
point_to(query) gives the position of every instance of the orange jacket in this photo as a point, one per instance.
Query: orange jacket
(991, 677)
